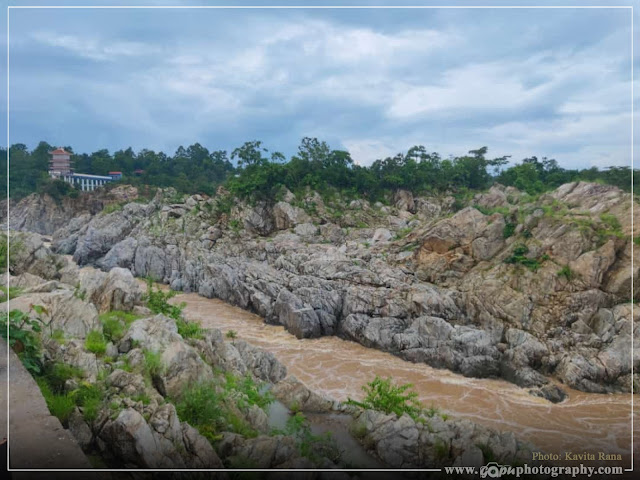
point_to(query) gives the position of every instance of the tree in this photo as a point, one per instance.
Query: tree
(250, 153)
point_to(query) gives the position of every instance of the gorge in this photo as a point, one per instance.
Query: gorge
(507, 311)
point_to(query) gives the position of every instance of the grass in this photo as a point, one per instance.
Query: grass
(487, 453)
(58, 336)
(153, 365)
(9, 293)
(60, 405)
(116, 323)
(52, 384)
(57, 374)
(313, 447)
(403, 232)
(235, 224)
(492, 210)
(508, 230)
(96, 343)
(203, 406)
(567, 273)
(250, 390)
(158, 302)
(611, 221)
(518, 257)
(441, 449)
(89, 397)
(189, 329)
(112, 207)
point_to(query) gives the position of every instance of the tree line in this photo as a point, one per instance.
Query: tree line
(251, 171)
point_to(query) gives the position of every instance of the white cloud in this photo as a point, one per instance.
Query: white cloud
(94, 48)
(366, 151)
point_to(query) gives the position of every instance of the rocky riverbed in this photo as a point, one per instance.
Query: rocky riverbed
(143, 372)
(499, 285)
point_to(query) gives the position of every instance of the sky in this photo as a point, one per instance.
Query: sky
(523, 82)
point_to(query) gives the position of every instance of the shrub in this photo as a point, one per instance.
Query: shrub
(89, 397)
(95, 342)
(235, 225)
(636, 240)
(441, 449)
(611, 221)
(508, 230)
(314, 447)
(403, 232)
(492, 210)
(158, 301)
(9, 293)
(153, 365)
(60, 406)
(201, 406)
(112, 207)
(57, 374)
(116, 323)
(518, 257)
(231, 334)
(188, 329)
(382, 395)
(23, 337)
(250, 389)
(566, 272)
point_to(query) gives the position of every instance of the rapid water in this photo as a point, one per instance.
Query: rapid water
(338, 368)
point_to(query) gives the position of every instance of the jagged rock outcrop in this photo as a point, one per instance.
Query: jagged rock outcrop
(41, 213)
(435, 287)
(402, 442)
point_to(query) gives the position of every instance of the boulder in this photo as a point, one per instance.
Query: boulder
(288, 216)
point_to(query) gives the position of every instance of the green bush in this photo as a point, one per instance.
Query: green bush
(24, 337)
(403, 232)
(566, 272)
(188, 329)
(60, 405)
(95, 342)
(492, 210)
(158, 301)
(611, 221)
(508, 230)
(9, 293)
(202, 407)
(249, 388)
(14, 248)
(116, 323)
(384, 396)
(89, 397)
(313, 447)
(112, 207)
(518, 257)
(57, 374)
(153, 365)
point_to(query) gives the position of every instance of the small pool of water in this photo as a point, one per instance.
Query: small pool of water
(354, 454)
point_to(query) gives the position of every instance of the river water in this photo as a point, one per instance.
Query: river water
(338, 368)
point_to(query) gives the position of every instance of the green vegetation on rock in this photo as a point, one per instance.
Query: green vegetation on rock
(384, 396)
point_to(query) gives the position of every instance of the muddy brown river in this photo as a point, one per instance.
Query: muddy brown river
(338, 368)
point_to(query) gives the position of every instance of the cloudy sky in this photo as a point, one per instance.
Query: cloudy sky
(523, 82)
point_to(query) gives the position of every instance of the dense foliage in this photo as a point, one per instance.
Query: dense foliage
(252, 171)
(384, 396)
(23, 337)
